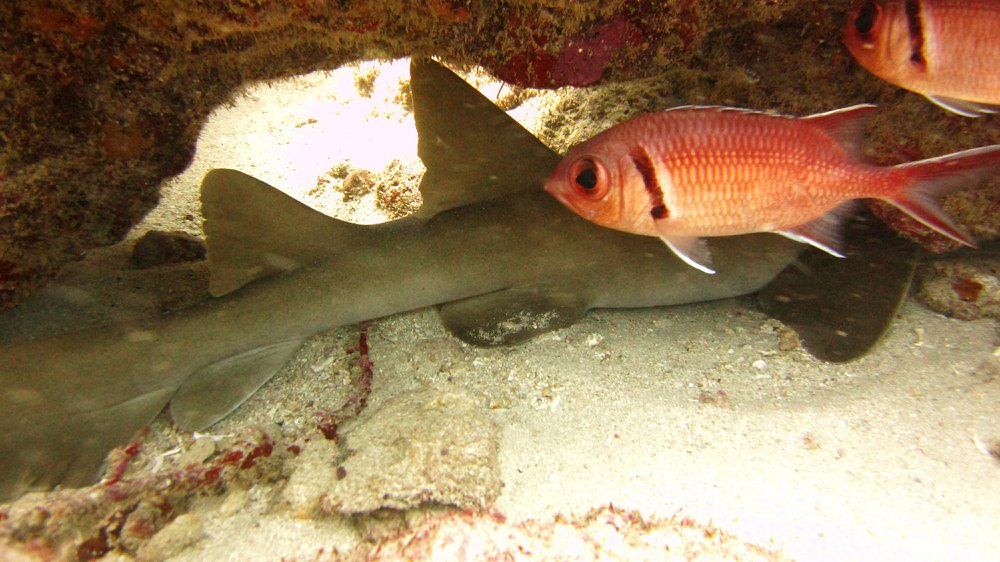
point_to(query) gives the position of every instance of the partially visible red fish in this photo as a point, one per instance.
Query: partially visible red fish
(690, 172)
(947, 50)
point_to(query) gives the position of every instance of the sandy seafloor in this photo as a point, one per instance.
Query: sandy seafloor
(693, 411)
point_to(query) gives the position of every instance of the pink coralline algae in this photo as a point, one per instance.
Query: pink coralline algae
(581, 60)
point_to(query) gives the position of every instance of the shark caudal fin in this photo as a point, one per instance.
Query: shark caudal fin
(928, 180)
(254, 230)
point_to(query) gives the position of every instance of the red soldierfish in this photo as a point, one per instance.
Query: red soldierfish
(947, 50)
(690, 172)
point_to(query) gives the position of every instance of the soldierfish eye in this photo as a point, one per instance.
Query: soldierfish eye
(867, 16)
(589, 178)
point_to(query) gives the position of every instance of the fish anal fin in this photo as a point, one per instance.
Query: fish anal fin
(511, 316)
(218, 388)
(845, 125)
(824, 233)
(691, 249)
(255, 230)
(472, 149)
(965, 108)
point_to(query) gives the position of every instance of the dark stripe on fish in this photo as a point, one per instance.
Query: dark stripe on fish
(916, 28)
(644, 164)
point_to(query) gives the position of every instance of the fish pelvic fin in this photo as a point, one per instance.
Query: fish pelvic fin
(846, 125)
(929, 180)
(965, 108)
(691, 250)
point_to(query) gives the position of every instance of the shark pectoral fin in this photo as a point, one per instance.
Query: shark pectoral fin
(841, 308)
(66, 446)
(694, 251)
(512, 315)
(255, 230)
(217, 389)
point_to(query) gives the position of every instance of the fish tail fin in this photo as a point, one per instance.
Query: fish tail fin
(929, 180)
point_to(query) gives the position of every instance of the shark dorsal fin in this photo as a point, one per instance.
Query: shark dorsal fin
(254, 230)
(465, 139)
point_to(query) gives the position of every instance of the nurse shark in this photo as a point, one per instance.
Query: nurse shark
(502, 259)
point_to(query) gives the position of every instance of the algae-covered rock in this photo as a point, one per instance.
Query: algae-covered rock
(967, 291)
(101, 101)
(422, 447)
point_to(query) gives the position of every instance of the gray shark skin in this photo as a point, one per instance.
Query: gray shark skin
(503, 259)
(840, 308)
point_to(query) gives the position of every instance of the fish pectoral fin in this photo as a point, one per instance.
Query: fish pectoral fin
(218, 388)
(512, 315)
(693, 250)
(964, 107)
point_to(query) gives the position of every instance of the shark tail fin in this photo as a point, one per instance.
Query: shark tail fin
(254, 230)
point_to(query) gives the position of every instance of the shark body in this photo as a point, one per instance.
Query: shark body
(503, 259)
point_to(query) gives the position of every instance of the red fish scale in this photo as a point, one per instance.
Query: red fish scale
(961, 47)
(693, 172)
(733, 172)
(957, 41)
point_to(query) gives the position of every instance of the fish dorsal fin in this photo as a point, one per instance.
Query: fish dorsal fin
(512, 315)
(472, 150)
(846, 125)
(255, 230)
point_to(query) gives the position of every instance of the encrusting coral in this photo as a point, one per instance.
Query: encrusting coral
(103, 100)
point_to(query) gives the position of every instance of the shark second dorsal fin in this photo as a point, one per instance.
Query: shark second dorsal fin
(473, 150)
(511, 315)
(254, 230)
